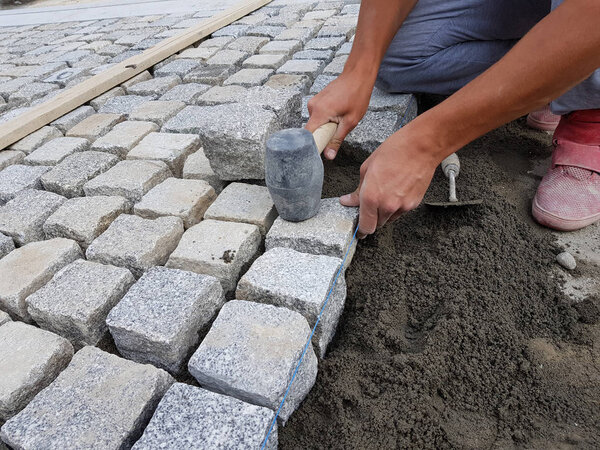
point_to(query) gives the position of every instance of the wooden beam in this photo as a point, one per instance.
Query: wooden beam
(44, 113)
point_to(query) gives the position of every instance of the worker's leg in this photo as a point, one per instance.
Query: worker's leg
(568, 197)
(445, 44)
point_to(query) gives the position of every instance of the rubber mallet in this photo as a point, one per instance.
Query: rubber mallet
(294, 170)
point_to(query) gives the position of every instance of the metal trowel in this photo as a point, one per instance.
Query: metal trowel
(451, 168)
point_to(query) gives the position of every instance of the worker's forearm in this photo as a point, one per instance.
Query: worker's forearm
(559, 52)
(378, 22)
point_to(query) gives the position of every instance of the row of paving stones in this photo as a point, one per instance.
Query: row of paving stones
(144, 243)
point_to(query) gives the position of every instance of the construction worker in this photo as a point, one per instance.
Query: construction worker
(500, 59)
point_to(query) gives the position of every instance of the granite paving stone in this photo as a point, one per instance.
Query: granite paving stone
(217, 95)
(24, 270)
(325, 55)
(269, 61)
(197, 53)
(283, 81)
(248, 44)
(158, 111)
(54, 151)
(328, 233)
(383, 101)
(269, 31)
(231, 30)
(285, 104)
(30, 359)
(4, 318)
(188, 93)
(136, 243)
(216, 248)
(213, 74)
(281, 47)
(100, 400)
(70, 175)
(216, 42)
(74, 56)
(32, 91)
(321, 83)
(75, 303)
(170, 148)
(194, 418)
(227, 58)
(17, 177)
(325, 43)
(300, 282)
(7, 245)
(124, 104)
(186, 199)
(309, 67)
(66, 76)
(179, 67)
(69, 120)
(97, 102)
(233, 136)
(336, 66)
(248, 203)
(113, 50)
(345, 49)
(155, 86)
(197, 167)
(301, 34)
(251, 352)
(343, 30)
(129, 179)
(249, 77)
(374, 128)
(159, 320)
(139, 78)
(10, 157)
(83, 219)
(123, 137)
(9, 87)
(96, 125)
(36, 139)
(23, 217)
(322, 14)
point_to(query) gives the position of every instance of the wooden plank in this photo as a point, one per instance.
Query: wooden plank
(70, 99)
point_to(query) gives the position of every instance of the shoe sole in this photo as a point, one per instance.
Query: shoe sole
(542, 126)
(549, 220)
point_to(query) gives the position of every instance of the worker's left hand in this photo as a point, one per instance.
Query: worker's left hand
(393, 180)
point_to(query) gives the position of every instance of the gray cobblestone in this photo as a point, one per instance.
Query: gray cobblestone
(325, 43)
(124, 104)
(36, 139)
(321, 83)
(216, 42)
(7, 245)
(155, 86)
(75, 303)
(70, 175)
(102, 99)
(197, 167)
(187, 93)
(139, 78)
(65, 76)
(123, 137)
(227, 58)
(270, 61)
(249, 77)
(159, 319)
(325, 55)
(135, 243)
(4, 318)
(17, 177)
(223, 94)
(179, 67)
(10, 157)
(281, 47)
(96, 125)
(54, 151)
(200, 53)
(336, 66)
(282, 81)
(374, 128)
(265, 30)
(248, 44)
(297, 33)
(23, 217)
(247, 367)
(232, 30)
(217, 248)
(209, 74)
(68, 121)
(309, 67)
(170, 148)
(83, 219)
(157, 111)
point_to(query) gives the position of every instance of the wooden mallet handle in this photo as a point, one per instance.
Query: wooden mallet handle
(323, 135)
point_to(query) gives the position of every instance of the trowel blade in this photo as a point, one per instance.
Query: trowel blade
(451, 204)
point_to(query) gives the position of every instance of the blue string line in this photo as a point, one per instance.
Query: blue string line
(287, 391)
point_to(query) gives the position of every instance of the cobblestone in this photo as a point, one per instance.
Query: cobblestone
(124, 104)
(217, 248)
(155, 86)
(65, 76)
(68, 121)
(24, 270)
(248, 44)
(216, 42)
(16, 178)
(217, 419)
(282, 81)
(4, 318)
(308, 67)
(186, 199)
(70, 175)
(75, 303)
(10, 157)
(136, 243)
(209, 74)
(32, 91)
(227, 58)
(300, 282)
(102, 99)
(237, 359)
(231, 30)
(83, 219)
(35, 139)
(374, 128)
(197, 167)
(269, 61)
(281, 47)
(139, 78)
(336, 66)
(265, 31)
(159, 319)
(96, 125)
(233, 136)
(325, 55)
(54, 151)
(104, 418)
(328, 233)
(223, 94)
(240, 202)
(249, 77)
(7, 245)
(187, 93)
(179, 67)
(157, 111)
(123, 137)
(325, 43)
(31, 358)
(298, 34)
(170, 148)
(321, 83)
(23, 217)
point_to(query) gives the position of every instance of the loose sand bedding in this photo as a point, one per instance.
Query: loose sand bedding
(456, 332)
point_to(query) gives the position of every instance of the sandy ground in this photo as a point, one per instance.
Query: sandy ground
(457, 331)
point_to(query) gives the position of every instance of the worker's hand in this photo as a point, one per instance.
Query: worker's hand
(344, 101)
(393, 180)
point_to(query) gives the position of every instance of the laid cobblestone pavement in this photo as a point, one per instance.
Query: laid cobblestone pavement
(134, 217)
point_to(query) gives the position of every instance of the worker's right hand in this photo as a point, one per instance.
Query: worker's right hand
(344, 101)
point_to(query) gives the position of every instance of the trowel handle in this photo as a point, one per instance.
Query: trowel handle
(323, 135)
(451, 163)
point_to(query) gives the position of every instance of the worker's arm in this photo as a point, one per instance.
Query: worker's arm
(346, 99)
(558, 53)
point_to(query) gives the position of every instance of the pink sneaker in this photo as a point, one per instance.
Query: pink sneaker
(568, 198)
(543, 119)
